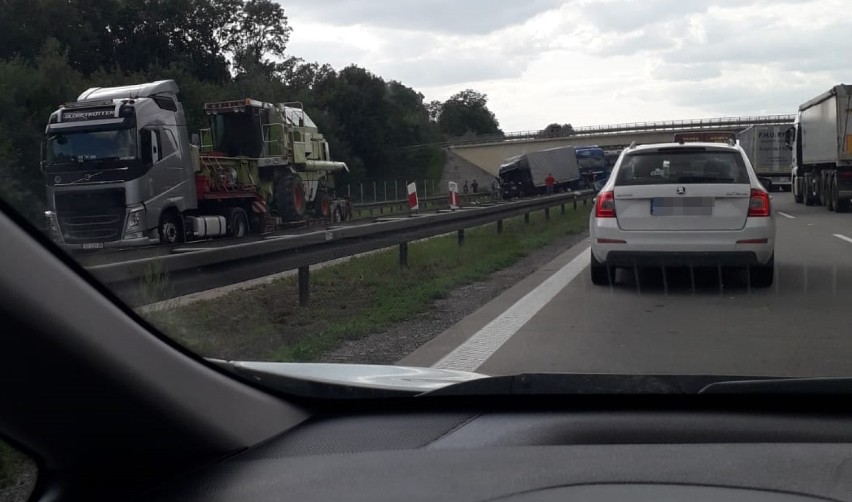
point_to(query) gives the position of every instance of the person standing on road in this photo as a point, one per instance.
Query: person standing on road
(549, 182)
(474, 185)
(465, 188)
(495, 188)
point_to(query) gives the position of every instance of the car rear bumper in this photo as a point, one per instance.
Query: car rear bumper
(683, 248)
(681, 259)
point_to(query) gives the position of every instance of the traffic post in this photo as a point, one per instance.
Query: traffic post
(413, 203)
(455, 202)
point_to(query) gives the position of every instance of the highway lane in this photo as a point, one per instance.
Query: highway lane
(648, 323)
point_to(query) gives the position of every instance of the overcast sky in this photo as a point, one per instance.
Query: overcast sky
(590, 62)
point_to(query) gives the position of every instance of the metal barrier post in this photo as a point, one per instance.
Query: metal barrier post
(547, 213)
(562, 209)
(575, 202)
(304, 285)
(403, 254)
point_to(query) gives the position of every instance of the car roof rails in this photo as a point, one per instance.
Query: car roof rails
(632, 145)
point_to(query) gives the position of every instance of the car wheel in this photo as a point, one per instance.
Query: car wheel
(761, 276)
(601, 274)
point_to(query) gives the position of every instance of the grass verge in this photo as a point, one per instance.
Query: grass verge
(364, 295)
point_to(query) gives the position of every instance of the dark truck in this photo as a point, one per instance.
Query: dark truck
(525, 174)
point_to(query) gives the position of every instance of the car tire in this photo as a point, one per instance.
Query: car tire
(761, 276)
(601, 274)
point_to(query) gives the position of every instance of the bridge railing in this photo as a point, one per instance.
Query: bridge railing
(613, 129)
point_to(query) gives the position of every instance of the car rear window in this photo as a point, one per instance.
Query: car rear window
(681, 165)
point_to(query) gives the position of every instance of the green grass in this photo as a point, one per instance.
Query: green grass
(361, 296)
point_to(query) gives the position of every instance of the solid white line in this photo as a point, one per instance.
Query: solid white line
(472, 353)
(782, 213)
(843, 237)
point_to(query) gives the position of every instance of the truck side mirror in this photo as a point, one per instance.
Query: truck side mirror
(788, 137)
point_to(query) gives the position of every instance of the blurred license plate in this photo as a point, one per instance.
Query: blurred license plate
(682, 206)
(93, 245)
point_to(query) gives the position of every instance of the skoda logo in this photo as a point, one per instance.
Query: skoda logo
(681, 190)
(57, 180)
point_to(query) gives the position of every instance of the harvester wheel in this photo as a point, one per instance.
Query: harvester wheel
(290, 197)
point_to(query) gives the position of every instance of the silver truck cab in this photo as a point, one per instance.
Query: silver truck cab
(117, 161)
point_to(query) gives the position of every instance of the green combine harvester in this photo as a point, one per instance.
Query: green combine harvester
(274, 154)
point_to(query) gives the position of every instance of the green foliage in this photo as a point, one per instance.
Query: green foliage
(52, 50)
(465, 113)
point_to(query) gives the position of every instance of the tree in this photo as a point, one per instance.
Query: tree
(260, 31)
(555, 130)
(467, 113)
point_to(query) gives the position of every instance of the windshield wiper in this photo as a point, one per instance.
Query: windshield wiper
(536, 384)
(782, 385)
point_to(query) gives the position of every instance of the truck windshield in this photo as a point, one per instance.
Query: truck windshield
(78, 147)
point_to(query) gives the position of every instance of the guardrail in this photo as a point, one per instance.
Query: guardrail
(193, 271)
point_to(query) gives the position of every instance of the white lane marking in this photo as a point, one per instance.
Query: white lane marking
(843, 237)
(782, 213)
(472, 353)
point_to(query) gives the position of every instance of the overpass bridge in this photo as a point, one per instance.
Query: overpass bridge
(487, 152)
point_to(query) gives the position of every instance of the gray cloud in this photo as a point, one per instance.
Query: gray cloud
(443, 16)
(436, 72)
(687, 72)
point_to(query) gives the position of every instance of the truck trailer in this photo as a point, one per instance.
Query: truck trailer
(120, 169)
(821, 144)
(766, 150)
(525, 174)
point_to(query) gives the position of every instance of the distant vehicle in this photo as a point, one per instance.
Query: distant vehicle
(593, 169)
(697, 204)
(120, 169)
(525, 174)
(821, 141)
(770, 158)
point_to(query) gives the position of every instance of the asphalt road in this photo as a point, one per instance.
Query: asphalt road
(557, 321)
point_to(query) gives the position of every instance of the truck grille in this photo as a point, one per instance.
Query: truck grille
(91, 216)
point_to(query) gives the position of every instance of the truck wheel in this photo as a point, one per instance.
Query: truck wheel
(840, 205)
(323, 205)
(823, 200)
(796, 187)
(807, 192)
(831, 201)
(761, 276)
(290, 197)
(347, 213)
(238, 225)
(601, 274)
(338, 215)
(171, 228)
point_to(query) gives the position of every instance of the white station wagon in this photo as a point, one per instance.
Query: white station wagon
(683, 204)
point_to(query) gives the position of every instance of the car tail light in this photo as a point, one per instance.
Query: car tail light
(758, 204)
(605, 205)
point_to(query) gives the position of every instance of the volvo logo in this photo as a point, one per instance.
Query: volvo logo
(57, 180)
(681, 190)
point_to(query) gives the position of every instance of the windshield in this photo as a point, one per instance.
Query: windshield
(679, 166)
(79, 147)
(381, 230)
